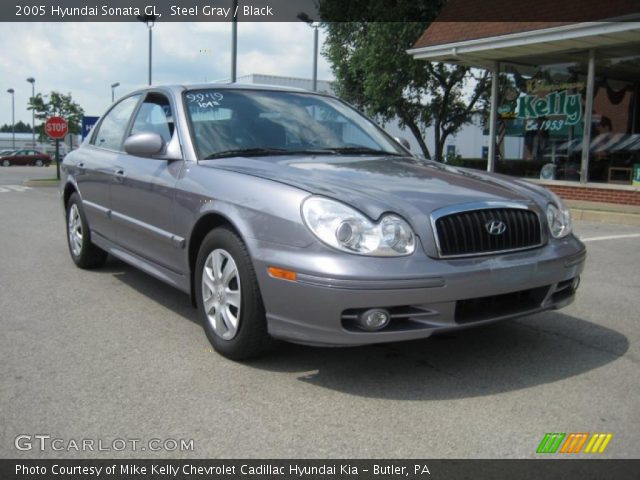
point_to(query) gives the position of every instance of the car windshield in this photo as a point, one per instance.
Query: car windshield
(229, 123)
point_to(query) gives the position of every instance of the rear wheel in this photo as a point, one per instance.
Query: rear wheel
(39, 163)
(228, 297)
(83, 252)
(6, 163)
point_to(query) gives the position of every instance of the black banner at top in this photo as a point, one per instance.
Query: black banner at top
(318, 10)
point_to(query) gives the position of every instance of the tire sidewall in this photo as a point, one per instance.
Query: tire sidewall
(251, 322)
(78, 259)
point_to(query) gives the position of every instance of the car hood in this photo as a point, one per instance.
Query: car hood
(407, 186)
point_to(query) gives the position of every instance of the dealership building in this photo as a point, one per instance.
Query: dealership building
(569, 90)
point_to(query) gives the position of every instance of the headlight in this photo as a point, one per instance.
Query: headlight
(348, 230)
(559, 218)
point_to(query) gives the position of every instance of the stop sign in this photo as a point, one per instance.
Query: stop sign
(56, 127)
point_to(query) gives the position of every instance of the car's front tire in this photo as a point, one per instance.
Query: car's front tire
(6, 163)
(83, 252)
(228, 297)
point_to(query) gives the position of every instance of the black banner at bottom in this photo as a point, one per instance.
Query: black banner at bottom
(583, 469)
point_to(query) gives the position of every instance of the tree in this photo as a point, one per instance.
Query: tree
(20, 127)
(374, 72)
(57, 104)
(450, 110)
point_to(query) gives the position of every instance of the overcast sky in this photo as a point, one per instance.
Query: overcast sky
(84, 59)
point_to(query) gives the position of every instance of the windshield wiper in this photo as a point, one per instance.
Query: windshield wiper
(247, 152)
(258, 151)
(363, 150)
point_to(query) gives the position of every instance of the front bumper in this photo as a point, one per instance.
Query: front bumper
(424, 295)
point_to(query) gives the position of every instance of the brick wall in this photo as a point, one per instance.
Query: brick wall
(623, 197)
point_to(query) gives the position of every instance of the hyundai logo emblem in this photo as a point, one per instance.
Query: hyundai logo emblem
(495, 227)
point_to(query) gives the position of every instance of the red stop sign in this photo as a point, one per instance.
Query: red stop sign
(56, 127)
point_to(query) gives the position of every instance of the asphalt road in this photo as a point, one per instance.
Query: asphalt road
(16, 175)
(115, 354)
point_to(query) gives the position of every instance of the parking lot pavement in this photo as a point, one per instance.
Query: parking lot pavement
(16, 175)
(114, 354)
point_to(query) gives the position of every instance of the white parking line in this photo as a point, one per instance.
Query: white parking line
(13, 188)
(610, 237)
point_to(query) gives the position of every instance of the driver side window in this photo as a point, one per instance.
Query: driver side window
(110, 134)
(154, 116)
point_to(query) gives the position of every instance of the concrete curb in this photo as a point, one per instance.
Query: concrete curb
(605, 216)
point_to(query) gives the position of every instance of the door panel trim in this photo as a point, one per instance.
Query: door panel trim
(98, 208)
(175, 240)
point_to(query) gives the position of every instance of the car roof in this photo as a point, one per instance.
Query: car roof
(177, 89)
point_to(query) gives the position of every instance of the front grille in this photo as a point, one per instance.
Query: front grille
(466, 233)
(485, 308)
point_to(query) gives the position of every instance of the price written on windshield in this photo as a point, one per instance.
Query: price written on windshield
(205, 99)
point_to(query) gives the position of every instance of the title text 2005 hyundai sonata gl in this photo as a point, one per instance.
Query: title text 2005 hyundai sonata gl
(288, 215)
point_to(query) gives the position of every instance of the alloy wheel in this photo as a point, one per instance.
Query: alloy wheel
(221, 293)
(74, 227)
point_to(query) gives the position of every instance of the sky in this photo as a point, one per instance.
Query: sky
(85, 59)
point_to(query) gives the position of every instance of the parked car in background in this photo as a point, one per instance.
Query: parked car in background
(288, 215)
(25, 157)
(4, 153)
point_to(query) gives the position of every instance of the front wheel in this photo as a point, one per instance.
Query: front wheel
(83, 252)
(6, 163)
(228, 297)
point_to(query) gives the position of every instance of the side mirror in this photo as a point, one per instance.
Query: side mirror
(146, 144)
(404, 142)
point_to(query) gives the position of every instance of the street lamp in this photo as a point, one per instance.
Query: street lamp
(234, 43)
(32, 81)
(150, 21)
(113, 90)
(13, 117)
(305, 18)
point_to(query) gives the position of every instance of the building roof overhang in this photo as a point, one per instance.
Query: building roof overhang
(530, 47)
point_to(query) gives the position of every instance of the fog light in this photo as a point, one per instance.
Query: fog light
(576, 283)
(374, 319)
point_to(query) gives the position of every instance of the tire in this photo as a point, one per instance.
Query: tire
(39, 163)
(83, 252)
(236, 330)
(6, 163)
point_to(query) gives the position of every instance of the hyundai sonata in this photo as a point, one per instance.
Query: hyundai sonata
(288, 215)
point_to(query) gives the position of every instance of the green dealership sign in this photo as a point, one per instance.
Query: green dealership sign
(543, 106)
(565, 106)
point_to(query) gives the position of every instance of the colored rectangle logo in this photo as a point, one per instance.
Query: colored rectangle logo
(574, 442)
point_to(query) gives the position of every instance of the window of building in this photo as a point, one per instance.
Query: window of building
(614, 149)
(541, 117)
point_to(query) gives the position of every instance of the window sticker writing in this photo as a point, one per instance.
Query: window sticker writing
(205, 99)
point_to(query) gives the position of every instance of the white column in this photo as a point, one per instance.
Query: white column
(588, 107)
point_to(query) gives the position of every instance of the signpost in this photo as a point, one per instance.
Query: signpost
(56, 128)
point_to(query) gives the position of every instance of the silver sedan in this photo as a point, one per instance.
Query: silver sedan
(289, 215)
